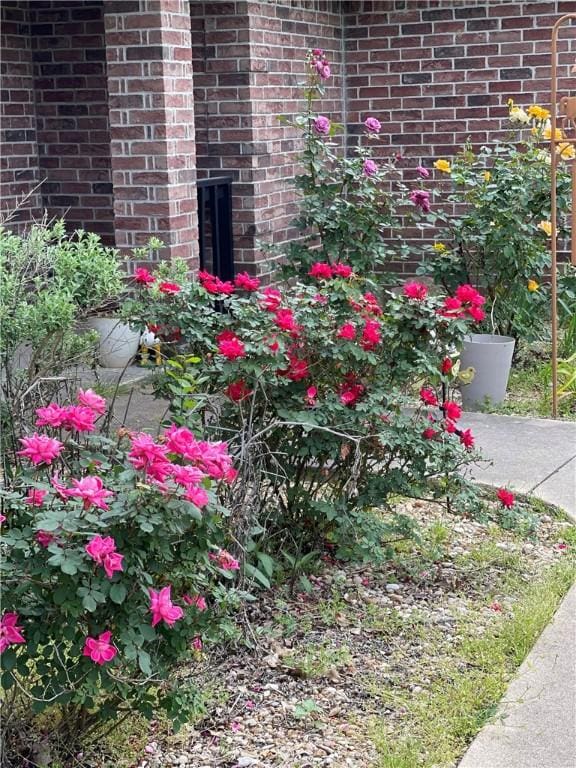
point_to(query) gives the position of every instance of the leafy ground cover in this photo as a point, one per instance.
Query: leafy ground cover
(390, 667)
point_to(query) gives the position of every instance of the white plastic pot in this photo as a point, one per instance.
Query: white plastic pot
(118, 342)
(491, 357)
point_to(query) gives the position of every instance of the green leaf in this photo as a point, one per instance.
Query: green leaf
(89, 603)
(256, 574)
(8, 660)
(147, 632)
(69, 567)
(266, 562)
(6, 681)
(144, 662)
(118, 593)
(48, 524)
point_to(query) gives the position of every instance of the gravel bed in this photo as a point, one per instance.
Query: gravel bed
(329, 662)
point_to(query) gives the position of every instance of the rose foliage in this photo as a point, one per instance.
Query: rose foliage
(309, 385)
(113, 565)
(352, 207)
(495, 231)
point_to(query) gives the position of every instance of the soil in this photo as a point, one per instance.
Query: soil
(326, 664)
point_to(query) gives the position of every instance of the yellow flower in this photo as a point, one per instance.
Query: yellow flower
(532, 286)
(566, 150)
(547, 133)
(439, 247)
(442, 165)
(538, 113)
(546, 226)
(487, 175)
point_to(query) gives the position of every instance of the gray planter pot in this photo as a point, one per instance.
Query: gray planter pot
(491, 358)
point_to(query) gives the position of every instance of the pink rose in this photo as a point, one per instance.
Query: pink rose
(10, 632)
(40, 449)
(421, 199)
(369, 167)
(162, 607)
(100, 649)
(321, 125)
(373, 125)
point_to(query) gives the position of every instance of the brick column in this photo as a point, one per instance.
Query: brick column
(149, 61)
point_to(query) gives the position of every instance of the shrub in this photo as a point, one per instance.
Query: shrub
(498, 238)
(48, 281)
(114, 570)
(348, 201)
(309, 385)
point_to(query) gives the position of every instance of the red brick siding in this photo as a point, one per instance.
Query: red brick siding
(434, 71)
(72, 112)
(151, 103)
(19, 149)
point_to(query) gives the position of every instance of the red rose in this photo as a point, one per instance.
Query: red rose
(284, 319)
(297, 370)
(143, 276)
(371, 335)
(342, 270)
(467, 438)
(506, 498)
(169, 288)
(428, 396)
(271, 300)
(446, 365)
(321, 270)
(238, 391)
(476, 313)
(347, 331)
(452, 410)
(416, 291)
(231, 348)
(469, 295)
(245, 282)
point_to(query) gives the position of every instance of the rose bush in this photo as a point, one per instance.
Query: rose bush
(498, 237)
(348, 201)
(309, 384)
(114, 569)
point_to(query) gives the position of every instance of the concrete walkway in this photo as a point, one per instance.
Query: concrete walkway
(536, 723)
(530, 455)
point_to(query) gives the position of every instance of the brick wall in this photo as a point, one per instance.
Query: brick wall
(248, 61)
(122, 130)
(72, 112)
(19, 157)
(439, 72)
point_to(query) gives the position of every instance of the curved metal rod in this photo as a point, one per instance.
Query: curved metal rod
(553, 218)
